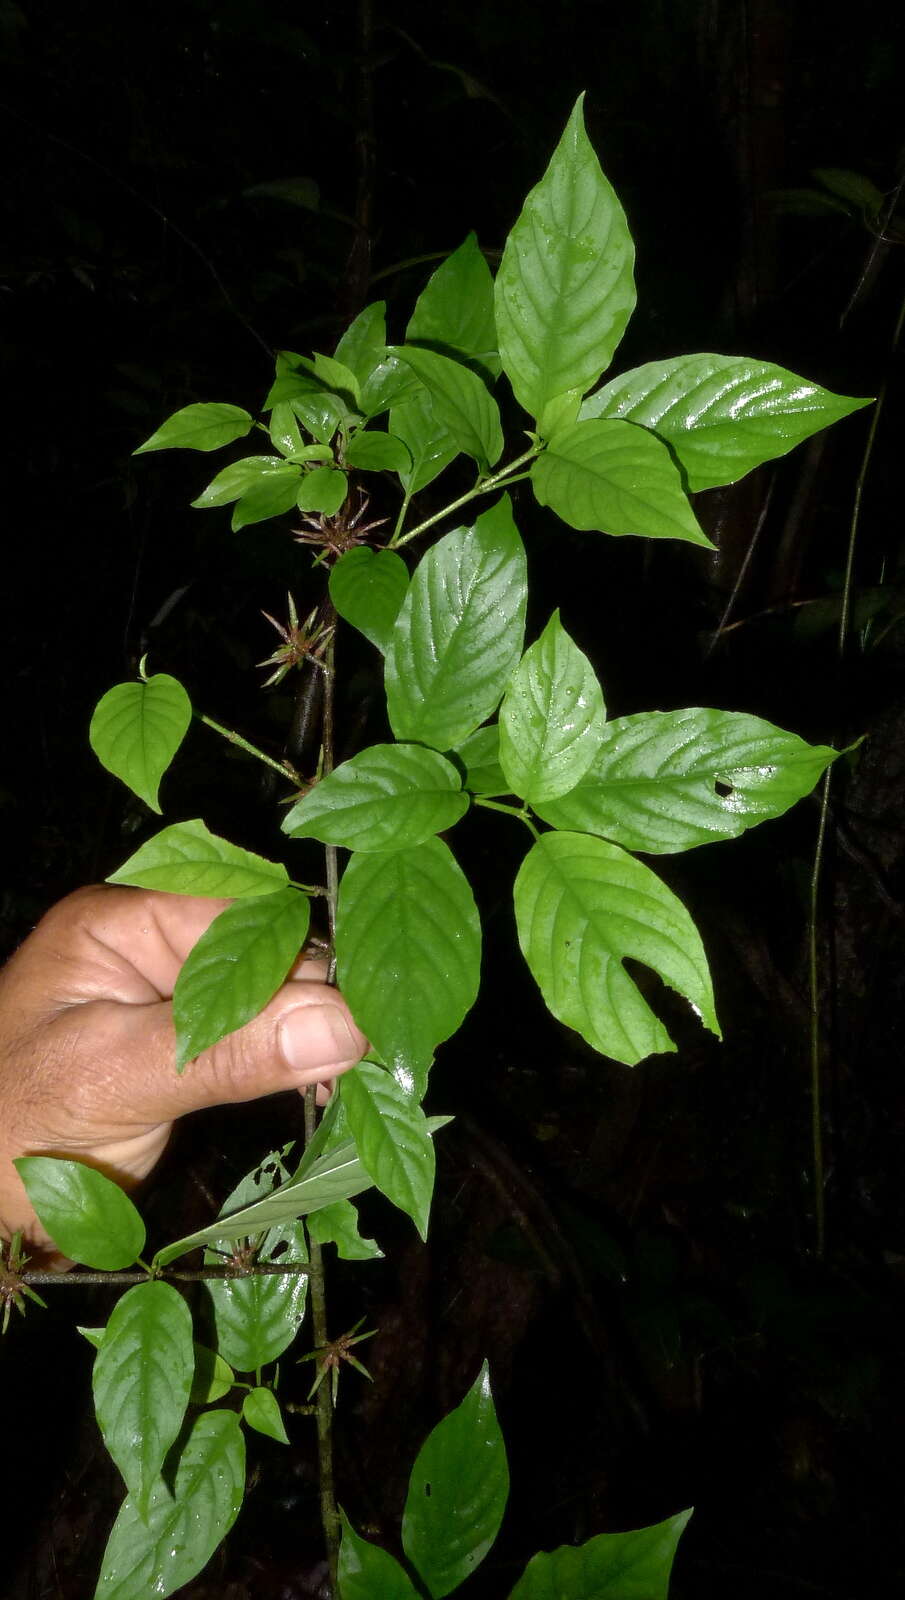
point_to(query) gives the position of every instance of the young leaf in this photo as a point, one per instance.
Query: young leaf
(142, 1379)
(285, 432)
(461, 401)
(552, 718)
(323, 489)
(454, 312)
(428, 441)
(564, 291)
(457, 1493)
(257, 1318)
(318, 408)
(338, 1224)
(157, 1554)
(236, 966)
(213, 1377)
(374, 451)
(186, 859)
(459, 633)
(408, 950)
(390, 384)
(721, 415)
(366, 1571)
(367, 588)
(479, 754)
(136, 730)
(236, 480)
(582, 906)
(664, 781)
(199, 427)
(261, 1410)
(271, 496)
(363, 345)
(87, 1215)
(616, 478)
(614, 1566)
(390, 1130)
(388, 797)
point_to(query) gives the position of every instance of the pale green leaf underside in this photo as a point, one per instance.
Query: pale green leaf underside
(564, 290)
(366, 1571)
(394, 1144)
(461, 401)
(582, 906)
(257, 1318)
(87, 1215)
(614, 1566)
(552, 718)
(205, 426)
(459, 632)
(367, 588)
(338, 1224)
(722, 415)
(615, 477)
(136, 730)
(388, 797)
(187, 859)
(671, 780)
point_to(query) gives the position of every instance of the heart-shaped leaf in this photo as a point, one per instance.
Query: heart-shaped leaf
(367, 588)
(136, 730)
(205, 426)
(461, 401)
(552, 718)
(388, 797)
(87, 1215)
(616, 478)
(614, 1566)
(187, 859)
(394, 1144)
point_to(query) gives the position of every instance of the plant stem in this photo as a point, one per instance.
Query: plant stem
(483, 486)
(521, 812)
(264, 1269)
(282, 767)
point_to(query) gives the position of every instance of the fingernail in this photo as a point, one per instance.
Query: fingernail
(318, 1036)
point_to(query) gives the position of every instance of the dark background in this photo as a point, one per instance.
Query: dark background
(633, 1250)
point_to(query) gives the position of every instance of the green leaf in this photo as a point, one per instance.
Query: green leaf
(366, 1571)
(388, 797)
(319, 409)
(375, 451)
(87, 1215)
(186, 859)
(363, 345)
(261, 1410)
(480, 757)
(237, 965)
(158, 1554)
(852, 186)
(427, 439)
(616, 478)
(236, 480)
(136, 730)
(95, 1336)
(394, 1145)
(664, 781)
(367, 588)
(721, 415)
(272, 496)
(389, 384)
(338, 1224)
(461, 401)
(257, 1318)
(454, 312)
(213, 1377)
(199, 427)
(285, 432)
(459, 633)
(564, 291)
(582, 906)
(614, 1566)
(323, 489)
(552, 718)
(142, 1379)
(457, 1493)
(408, 950)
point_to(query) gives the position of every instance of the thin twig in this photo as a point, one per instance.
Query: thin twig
(263, 1269)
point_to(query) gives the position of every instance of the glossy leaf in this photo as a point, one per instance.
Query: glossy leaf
(552, 718)
(237, 965)
(394, 1144)
(408, 949)
(458, 636)
(614, 1566)
(241, 476)
(257, 1318)
(88, 1216)
(338, 1224)
(389, 384)
(615, 478)
(367, 588)
(142, 1379)
(388, 797)
(367, 1572)
(457, 1493)
(136, 730)
(671, 780)
(261, 1411)
(454, 312)
(323, 489)
(722, 415)
(480, 757)
(271, 496)
(213, 1377)
(199, 427)
(363, 345)
(187, 859)
(318, 408)
(183, 1528)
(461, 401)
(582, 906)
(564, 290)
(374, 451)
(427, 439)
(285, 432)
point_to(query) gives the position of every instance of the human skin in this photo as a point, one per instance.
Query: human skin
(87, 1044)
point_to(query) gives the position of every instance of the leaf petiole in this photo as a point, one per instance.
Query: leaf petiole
(496, 480)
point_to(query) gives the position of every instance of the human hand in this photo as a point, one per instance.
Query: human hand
(87, 1044)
